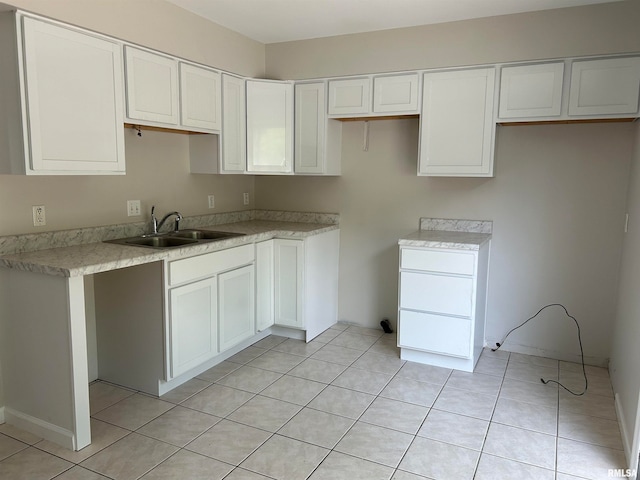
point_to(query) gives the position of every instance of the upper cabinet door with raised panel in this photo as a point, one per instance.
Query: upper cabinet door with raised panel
(531, 90)
(152, 87)
(269, 127)
(457, 128)
(73, 93)
(396, 93)
(234, 125)
(310, 121)
(609, 86)
(350, 97)
(200, 97)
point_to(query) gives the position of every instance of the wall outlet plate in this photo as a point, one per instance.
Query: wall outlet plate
(245, 198)
(212, 202)
(39, 218)
(133, 208)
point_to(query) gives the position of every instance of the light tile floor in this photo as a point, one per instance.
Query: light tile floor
(342, 407)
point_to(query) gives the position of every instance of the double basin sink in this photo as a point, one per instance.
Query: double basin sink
(175, 239)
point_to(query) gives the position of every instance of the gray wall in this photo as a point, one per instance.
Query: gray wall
(625, 354)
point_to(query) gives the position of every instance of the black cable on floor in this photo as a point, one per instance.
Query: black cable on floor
(498, 345)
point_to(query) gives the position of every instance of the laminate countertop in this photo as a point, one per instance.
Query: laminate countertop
(99, 257)
(445, 239)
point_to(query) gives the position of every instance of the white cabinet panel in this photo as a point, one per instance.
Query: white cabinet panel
(608, 86)
(457, 127)
(438, 261)
(436, 293)
(269, 127)
(349, 97)
(74, 101)
(264, 285)
(200, 97)
(435, 333)
(310, 121)
(193, 325)
(531, 90)
(152, 86)
(288, 288)
(200, 266)
(234, 125)
(395, 93)
(236, 306)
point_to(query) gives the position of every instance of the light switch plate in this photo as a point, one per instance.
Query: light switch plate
(212, 201)
(133, 208)
(245, 198)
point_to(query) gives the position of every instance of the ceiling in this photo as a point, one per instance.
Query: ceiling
(272, 21)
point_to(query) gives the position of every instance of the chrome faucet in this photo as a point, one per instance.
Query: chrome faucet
(158, 225)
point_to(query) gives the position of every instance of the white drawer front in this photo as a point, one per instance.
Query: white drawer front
(436, 293)
(201, 266)
(435, 333)
(438, 261)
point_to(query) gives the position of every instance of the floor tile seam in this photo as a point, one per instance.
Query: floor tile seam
(297, 404)
(373, 461)
(139, 427)
(601, 417)
(554, 470)
(490, 421)
(585, 442)
(523, 428)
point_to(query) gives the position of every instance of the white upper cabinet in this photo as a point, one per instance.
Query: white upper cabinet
(457, 128)
(234, 125)
(69, 83)
(605, 87)
(531, 91)
(395, 93)
(350, 97)
(317, 139)
(269, 127)
(200, 98)
(374, 95)
(152, 87)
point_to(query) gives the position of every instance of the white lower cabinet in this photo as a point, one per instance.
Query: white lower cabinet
(236, 312)
(441, 305)
(306, 283)
(193, 324)
(211, 306)
(264, 285)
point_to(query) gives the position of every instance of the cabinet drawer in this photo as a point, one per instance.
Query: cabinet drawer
(181, 271)
(438, 261)
(435, 333)
(436, 293)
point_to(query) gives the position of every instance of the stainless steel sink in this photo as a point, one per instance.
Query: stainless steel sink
(204, 234)
(175, 239)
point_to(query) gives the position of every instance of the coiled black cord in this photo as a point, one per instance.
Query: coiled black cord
(498, 345)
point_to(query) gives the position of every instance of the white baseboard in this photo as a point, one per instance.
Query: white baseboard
(541, 352)
(38, 427)
(627, 439)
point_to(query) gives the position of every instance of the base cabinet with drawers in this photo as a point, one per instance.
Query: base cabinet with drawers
(441, 305)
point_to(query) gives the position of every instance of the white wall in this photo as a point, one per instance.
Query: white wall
(625, 358)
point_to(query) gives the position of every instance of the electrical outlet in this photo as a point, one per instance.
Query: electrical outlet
(245, 198)
(212, 202)
(39, 219)
(133, 208)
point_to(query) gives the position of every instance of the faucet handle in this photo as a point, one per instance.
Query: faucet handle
(154, 220)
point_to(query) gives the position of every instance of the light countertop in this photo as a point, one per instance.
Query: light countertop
(445, 239)
(99, 257)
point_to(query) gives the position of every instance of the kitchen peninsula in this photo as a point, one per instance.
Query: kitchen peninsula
(280, 275)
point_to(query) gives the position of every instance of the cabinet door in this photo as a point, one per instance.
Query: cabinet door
(531, 91)
(234, 133)
(435, 333)
(73, 100)
(264, 285)
(152, 87)
(600, 87)
(456, 126)
(269, 127)
(193, 325)
(310, 120)
(236, 306)
(350, 97)
(200, 97)
(289, 270)
(396, 94)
